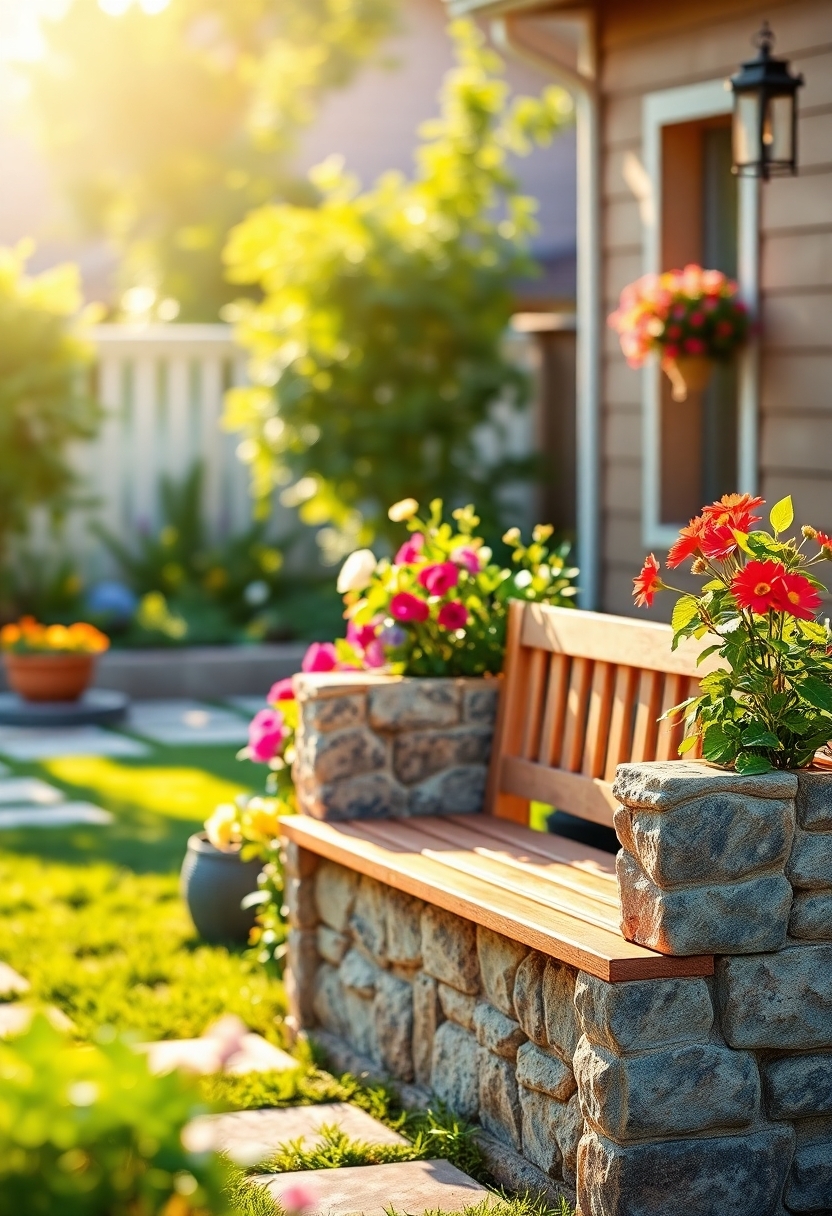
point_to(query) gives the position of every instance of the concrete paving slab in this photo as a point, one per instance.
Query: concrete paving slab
(251, 1136)
(65, 815)
(185, 722)
(247, 705)
(44, 743)
(23, 790)
(202, 1056)
(411, 1187)
(15, 1018)
(11, 984)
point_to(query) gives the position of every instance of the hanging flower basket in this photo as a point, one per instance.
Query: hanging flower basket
(687, 374)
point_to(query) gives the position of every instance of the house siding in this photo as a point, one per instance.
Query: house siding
(649, 46)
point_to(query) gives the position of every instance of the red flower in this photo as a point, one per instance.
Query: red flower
(733, 512)
(453, 615)
(688, 544)
(407, 607)
(824, 540)
(646, 584)
(758, 587)
(439, 579)
(281, 691)
(694, 346)
(797, 596)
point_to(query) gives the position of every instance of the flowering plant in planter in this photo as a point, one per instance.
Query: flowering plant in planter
(770, 705)
(691, 317)
(27, 636)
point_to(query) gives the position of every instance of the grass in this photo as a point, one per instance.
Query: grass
(93, 918)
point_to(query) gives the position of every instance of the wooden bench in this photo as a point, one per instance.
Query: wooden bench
(582, 693)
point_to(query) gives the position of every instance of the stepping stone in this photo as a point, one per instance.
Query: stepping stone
(65, 815)
(16, 1018)
(44, 743)
(11, 984)
(251, 1136)
(413, 1187)
(201, 1056)
(247, 705)
(29, 789)
(176, 722)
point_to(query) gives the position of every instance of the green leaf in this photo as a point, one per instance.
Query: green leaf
(730, 626)
(748, 764)
(742, 540)
(817, 692)
(685, 611)
(706, 654)
(782, 514)
(717, 746)
(757, 735)
(687, 743)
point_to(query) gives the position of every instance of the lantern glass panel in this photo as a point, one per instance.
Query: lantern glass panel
(746, 129)
(778, 130)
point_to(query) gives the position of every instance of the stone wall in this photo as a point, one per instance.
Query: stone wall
(386, 747)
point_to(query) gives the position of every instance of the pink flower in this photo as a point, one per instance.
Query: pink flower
(407, 607)
(321, 656)
(281, 691)
(297, 1198)
(374, 654)
(266, 732)
(724, 329)
(697, 319)
(360, 635)
(679, 312)
(439, 579)
(469, 558)
(453, 615)
(411, 551)
(694, 346)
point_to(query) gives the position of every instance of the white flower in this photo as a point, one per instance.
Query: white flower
(356, 571)
(404, 510)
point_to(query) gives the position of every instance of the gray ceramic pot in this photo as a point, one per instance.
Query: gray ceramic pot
(213, 883)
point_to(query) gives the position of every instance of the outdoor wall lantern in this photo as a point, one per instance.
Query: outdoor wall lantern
(765, 114)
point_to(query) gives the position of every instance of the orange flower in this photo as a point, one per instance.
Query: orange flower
(688, 544)
(824, 540)
(647, 583)
(758, 587)
(797, 596)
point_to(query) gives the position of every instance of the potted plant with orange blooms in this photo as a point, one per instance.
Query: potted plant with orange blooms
(691, 318)
(769, 705)
(50, 662)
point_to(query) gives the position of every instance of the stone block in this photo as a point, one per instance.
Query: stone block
(814, 800)
(641, 1014)
(328, 1000)
(720, 837)
(499, 1101)
(457, 1006)
(499, 957)
(394, 1025)
(301, 906)
(403, 915)
(811, 915)
(665, 783)
(419, 754)
(479, 702)
(741, 1175)
(358, 973)
(809, 1184)
(570, 1129)
(334, 713)
(495, 1031)
(369, 919)
(449, 949)
(301, 968)
(544, 1072)
(798, 1086)
(360, 1021)
(297, 862)
(411, 704)
(736, 918)
(335, 889)
(559, 1008)
(455, 1069)
(340, 754)
(540, 1116)
(332, 946)
(777, 1000)
(456, 791)
(427, 1018)
(373, 796)
(528, 997)
(670, 1092)
(810, 864)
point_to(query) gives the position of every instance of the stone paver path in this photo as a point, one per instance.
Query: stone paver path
(176, 722)
(411, 1187)
(247, 705)
(202, 1056)
(42, 743)
(64, 815)
(11, 984)
(28, 790)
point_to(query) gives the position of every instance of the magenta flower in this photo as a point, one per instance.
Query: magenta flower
(374, 654)
(411, 550)
(407, 607)
(694, 346)
(321, 656)
(266, 732)
(453, 615)
(360, 635)
(469, 558)
(297, 1198)
(281, 691)
(439, 579)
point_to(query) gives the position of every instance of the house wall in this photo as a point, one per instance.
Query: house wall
(649, 46)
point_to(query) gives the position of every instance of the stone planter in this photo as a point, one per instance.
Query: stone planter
(48, 677)
(213, 884)
(375, 746)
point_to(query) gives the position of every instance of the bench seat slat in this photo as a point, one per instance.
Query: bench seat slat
(588, 947)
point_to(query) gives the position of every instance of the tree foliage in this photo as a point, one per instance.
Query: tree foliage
(165, 128)
(377, 349)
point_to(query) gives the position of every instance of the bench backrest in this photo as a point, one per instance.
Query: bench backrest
(583, 693)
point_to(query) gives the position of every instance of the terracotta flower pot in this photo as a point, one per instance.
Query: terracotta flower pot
(688, 374)
(48, 677)
(213, 883)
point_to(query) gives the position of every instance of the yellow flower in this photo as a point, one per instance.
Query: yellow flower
(223, 828)
(400, 511)
(259, 820)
